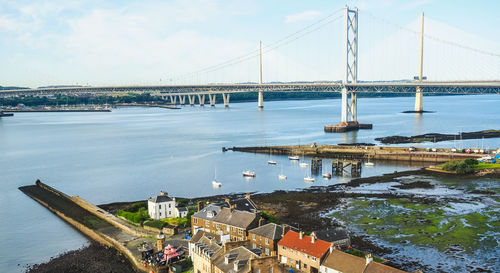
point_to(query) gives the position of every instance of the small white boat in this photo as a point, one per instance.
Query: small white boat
(368, 164)
(282, 177)
(303, 164)
(293, 157)
(215, 183)
(271, 162)
(327, 175)
(308, 179)
(248, 173)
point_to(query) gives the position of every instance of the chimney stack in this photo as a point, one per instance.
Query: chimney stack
(332, 248)
(313, 237)
(283, 230)
(201, 205)
(261, 220)
(162, 193)
(301, 235)
(247, 195)
(368, 258)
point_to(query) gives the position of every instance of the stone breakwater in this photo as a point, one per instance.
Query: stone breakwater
(75, 211)
(360, 152)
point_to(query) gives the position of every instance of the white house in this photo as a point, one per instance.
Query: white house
(162, 206)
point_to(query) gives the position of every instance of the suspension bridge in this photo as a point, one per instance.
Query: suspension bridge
(190, 85)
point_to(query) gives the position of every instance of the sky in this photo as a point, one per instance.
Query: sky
(90, 42)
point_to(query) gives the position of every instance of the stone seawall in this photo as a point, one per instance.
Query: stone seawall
(361, 152)
(88, 223)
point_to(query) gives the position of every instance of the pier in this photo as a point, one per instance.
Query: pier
(93, 222)
(361, 153)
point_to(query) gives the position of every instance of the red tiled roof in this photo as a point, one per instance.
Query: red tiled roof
(292, 240)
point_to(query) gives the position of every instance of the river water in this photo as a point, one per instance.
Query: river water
(133, 153)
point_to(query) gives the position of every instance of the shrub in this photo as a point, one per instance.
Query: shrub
(136, 217)
(155, 223)
(471, 161)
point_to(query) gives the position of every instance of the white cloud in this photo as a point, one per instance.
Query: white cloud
(303, 16)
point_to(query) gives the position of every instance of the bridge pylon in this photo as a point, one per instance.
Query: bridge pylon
(260, 102)
(349, 116)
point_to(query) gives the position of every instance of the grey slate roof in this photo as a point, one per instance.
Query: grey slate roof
(160, 199)
(244, 204)
(239, 255)
(333, 235)
(201, 233)
(211, 209)
(237, 218)
(271, 230)
(182, 208)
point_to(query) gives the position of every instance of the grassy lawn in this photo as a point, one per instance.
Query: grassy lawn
(174, 221)
(482, 165)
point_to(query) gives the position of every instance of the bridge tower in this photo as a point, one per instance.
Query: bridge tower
(261, 96)
(351, 65)
(419, 99)
(349, 116)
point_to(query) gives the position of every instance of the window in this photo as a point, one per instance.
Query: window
(169, 205)
(207, 224)
(240, 231)
(254, 245)
(160, 213)
(305, 265)
(267, 251)
(284, 248)
(305, 255)
(227, 228)
(218, 226)
(195, 220)
(253, 236)
(270, 270)
(314, 258)
(267, 241)
(257, 271)
(159, 206)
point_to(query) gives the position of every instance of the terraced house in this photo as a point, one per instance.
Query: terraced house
(302, 252)
(230, 220)
(266, 237)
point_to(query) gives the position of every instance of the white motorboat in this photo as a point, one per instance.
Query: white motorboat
(309, 179)
(282, 177)
(271, 162)
(248, 173)
(369, 164)
(303, 164)
(327, 175)
(293, 157)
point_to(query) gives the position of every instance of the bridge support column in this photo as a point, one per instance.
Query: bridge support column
(354, 107)
(419, 100)
(345, 107)
(260, 103)
(182, 99)
(211, 98)
(191, 99)
(225, 98)
(173, 100)
(201, 99)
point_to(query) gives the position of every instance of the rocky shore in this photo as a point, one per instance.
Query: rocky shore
(435, 137)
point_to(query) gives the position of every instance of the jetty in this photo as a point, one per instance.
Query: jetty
(94, 222)
(362, 152)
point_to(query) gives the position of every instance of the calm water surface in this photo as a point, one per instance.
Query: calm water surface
(133, 153)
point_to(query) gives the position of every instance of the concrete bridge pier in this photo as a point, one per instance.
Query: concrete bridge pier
(225, 98)
(191, 99)
(182, 99)
(211, 98)
(419, 100)
(173, 100)
(261, 100)
(201, 99)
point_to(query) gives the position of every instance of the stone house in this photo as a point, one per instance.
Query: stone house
(340, 262)
(162, 206)
(302, 252)
(266, 237)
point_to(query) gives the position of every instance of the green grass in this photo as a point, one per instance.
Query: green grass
(268, 216)
(135, 217)
(482, 165)
(174, 221)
